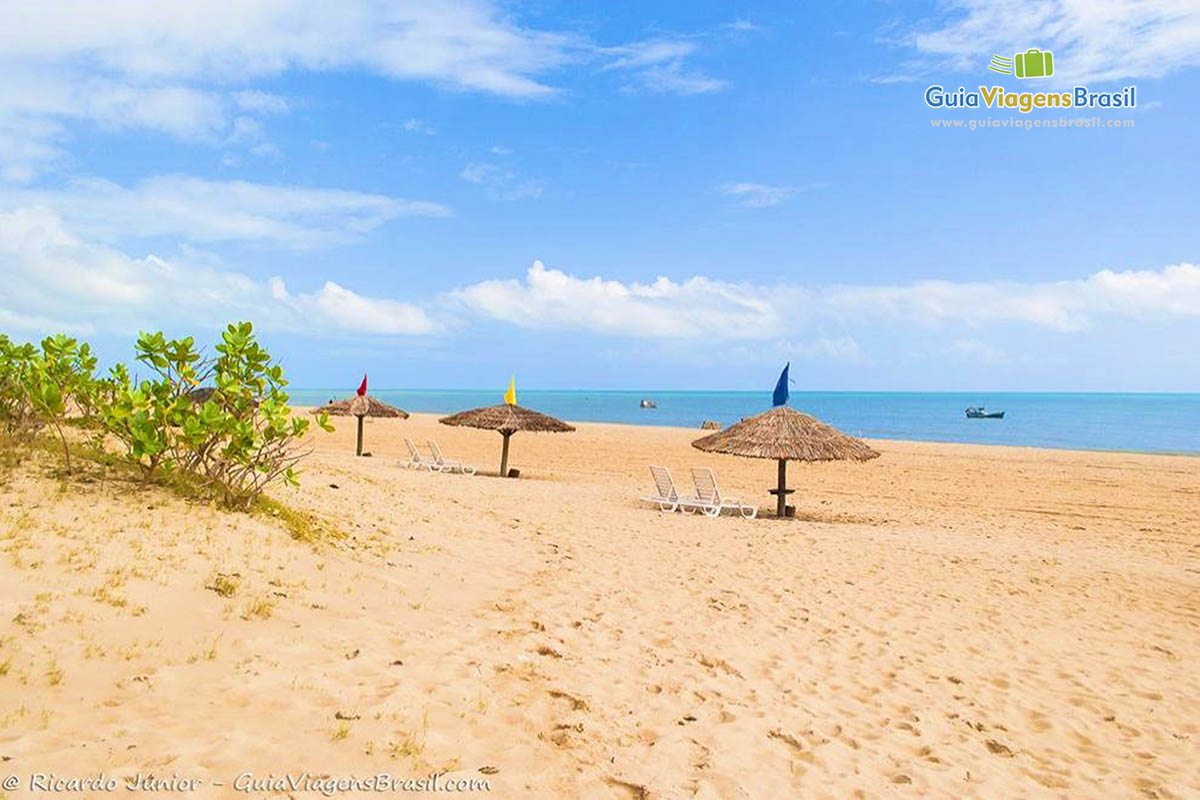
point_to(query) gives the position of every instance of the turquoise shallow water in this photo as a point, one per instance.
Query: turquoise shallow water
(1140, 422)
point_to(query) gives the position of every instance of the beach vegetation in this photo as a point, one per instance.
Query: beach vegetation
(260, 608)
(18, 421)
(216, 426)
(223, 584)
(303, 526)
(406, 745)
(54, 674)
(46, 387)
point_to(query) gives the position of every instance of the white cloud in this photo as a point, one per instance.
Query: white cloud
(467, 44)
(974, 350)
(672, 79)
(701, 307)
(413, 125)
(354, 312)
(40, 326)
(27, 146)
(1072, 305)
(1091, 41)
(837, 348)
(742, 26)
(648, 53)
(659, 65)
(265, 149)
(695, 308)
(189, 69)
(501, 183)
(261, 102)
(478, 173)
(181, 111)
(758, 195)
(246, 129)
(56, 280)
(210, 211)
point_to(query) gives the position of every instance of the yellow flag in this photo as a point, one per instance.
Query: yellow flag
(510, 396)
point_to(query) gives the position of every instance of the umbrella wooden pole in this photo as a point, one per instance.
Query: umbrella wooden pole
(504, 456)
(358, 447)
(781, 499)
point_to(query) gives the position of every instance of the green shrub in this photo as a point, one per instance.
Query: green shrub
(60, 383)
(244, 433)
(149, 417)
(17, 417)
(230, 444)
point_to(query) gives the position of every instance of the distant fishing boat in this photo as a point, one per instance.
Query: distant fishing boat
(979, 412)
(649, 404)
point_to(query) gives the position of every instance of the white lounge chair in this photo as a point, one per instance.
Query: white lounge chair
(666, 495)
(443, 464)
(416, 460)
(709, 499)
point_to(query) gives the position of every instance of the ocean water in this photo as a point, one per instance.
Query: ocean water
(1168, 423)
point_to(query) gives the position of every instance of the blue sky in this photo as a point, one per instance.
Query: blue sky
(614, 195)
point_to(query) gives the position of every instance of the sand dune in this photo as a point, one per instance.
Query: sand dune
(945, 621)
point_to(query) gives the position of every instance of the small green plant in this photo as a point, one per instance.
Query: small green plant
(250, 408)
(59, 382)
(17, 418)
(231, 440)
(148, 417)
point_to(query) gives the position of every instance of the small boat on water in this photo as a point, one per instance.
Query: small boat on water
(979, 412)
(649, 404)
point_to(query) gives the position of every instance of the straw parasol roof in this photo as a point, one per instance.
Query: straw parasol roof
(507, 419)
(201, 394)
(787, 434)
(375, 408)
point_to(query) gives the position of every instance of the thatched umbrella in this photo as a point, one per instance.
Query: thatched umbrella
(360, 405)
(507, 418)
(201, 394)
(375, 408)
(785, 434)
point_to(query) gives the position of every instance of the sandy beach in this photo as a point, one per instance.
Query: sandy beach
(943, 621)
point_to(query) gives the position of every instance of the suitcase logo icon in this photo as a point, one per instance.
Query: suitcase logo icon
(1033, 63)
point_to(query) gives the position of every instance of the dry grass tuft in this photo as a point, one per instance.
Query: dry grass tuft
(261, 608)
(226, 585)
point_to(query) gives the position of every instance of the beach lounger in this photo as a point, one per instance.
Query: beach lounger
(709, 499)
(443, 464)
(416, 459)
(666, 495)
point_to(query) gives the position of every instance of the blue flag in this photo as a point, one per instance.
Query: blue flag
(780, 397)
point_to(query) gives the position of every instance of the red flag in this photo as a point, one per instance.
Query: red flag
(362, 387)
